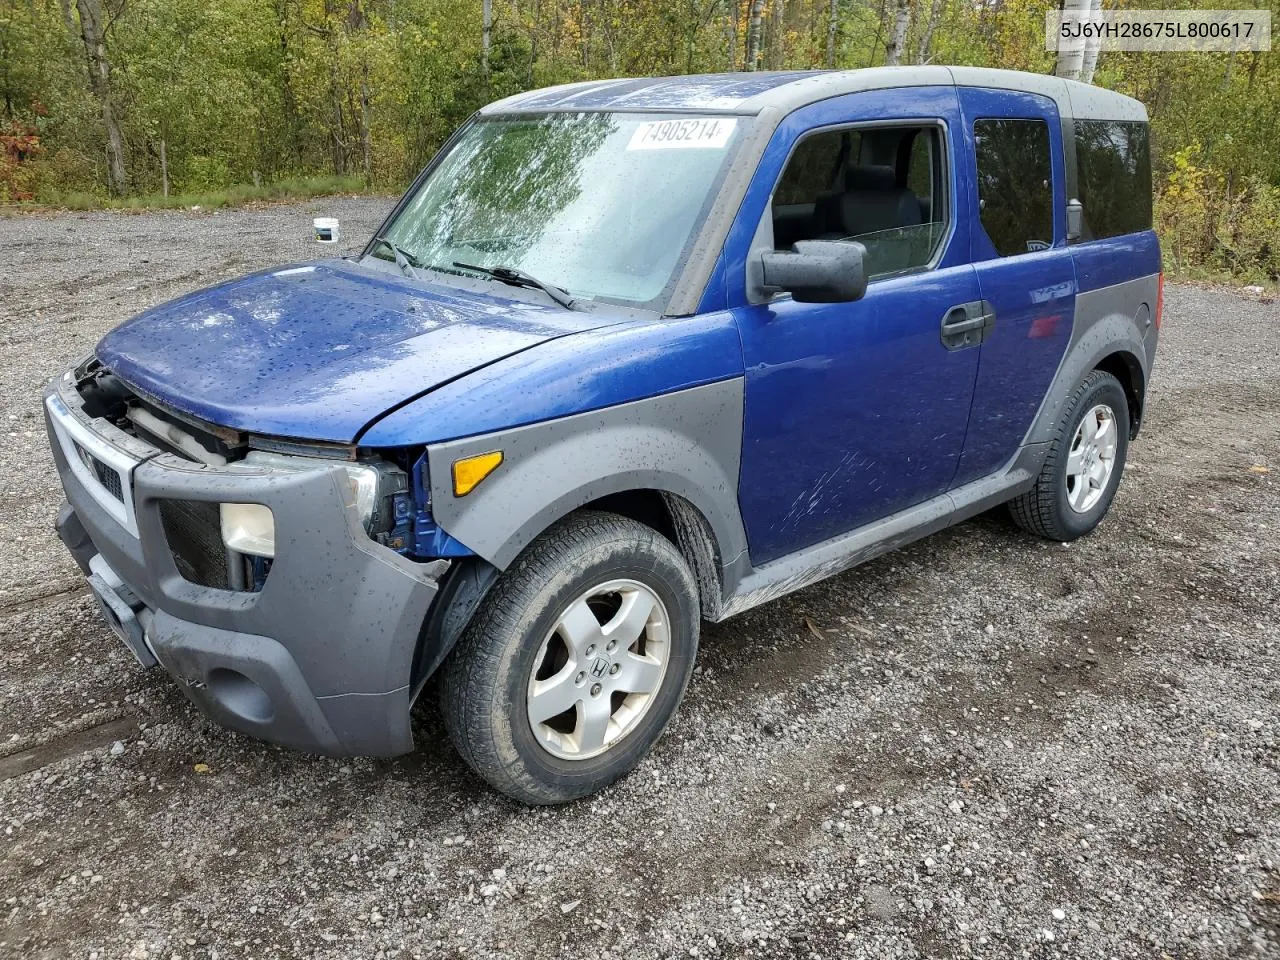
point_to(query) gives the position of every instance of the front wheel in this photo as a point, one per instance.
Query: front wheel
(576, 661)
(1082, 470)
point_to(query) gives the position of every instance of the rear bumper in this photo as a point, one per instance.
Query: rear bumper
(318, 660)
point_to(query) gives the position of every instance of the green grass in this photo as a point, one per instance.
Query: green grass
(1214, 276)
(300, 188)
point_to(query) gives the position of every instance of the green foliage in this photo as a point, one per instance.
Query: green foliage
(260, 91)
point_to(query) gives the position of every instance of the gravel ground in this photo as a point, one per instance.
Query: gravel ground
(984, 745)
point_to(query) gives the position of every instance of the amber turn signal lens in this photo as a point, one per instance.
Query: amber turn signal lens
(469, 471)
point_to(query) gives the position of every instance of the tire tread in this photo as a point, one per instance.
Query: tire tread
(467, 679)
(1036, 511)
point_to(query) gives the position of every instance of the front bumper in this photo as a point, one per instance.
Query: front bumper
(319, 659)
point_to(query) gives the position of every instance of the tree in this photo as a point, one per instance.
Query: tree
(225, 92)
(93, 33)
(68, 19)
(486, 34)
(897, 43)
(926, 35)
(1092, 48)
(753, 34)
(1071, 61)
(833, 25)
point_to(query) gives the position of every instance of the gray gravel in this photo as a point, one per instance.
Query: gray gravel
(984, 745)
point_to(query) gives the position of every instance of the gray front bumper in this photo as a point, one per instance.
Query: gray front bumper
(320, 658)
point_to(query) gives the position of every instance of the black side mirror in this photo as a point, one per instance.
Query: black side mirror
(1075, 219)
(817, 271)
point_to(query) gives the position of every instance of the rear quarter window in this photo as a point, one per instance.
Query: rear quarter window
(1113, 160)
(1015, 184)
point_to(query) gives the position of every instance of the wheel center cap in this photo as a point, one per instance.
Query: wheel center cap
(599, 668)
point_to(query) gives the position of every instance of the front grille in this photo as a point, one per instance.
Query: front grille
(105, 475)
(192, 528)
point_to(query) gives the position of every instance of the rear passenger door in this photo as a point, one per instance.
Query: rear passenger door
(1025, 271)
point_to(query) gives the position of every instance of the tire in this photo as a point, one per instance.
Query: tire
(1062, 505)
(529, 640)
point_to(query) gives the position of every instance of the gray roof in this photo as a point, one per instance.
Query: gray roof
(751, 93)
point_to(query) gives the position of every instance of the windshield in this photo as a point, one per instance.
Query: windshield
(603, 205)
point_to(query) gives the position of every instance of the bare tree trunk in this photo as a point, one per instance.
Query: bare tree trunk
(753, 35)
(897, 44)
(1092, 47)
(95, 49)
(354, 24)
(1253, 71)
(339, 146)
(1071, 62)
(833, 24)
(610, 41)
(486, 34)
(534, 20)
(288, 101)
(731, 33)
(926, 37)
(164, 169)
(68, 19)
(366, 137)
(875, 43)
(337, 141)
(774, 59)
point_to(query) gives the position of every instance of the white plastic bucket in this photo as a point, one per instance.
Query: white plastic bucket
(326, 229)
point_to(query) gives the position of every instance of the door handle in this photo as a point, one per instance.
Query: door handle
(966, 324)
(957, 321)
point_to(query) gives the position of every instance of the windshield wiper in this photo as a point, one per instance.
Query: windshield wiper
(518, 278)
(405, 260)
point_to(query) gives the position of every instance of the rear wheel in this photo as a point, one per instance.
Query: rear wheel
(573, 666)
(1083, 467)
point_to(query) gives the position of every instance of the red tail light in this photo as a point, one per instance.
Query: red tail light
(1159, 301)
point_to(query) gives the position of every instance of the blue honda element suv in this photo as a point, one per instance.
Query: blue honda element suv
(629, 355)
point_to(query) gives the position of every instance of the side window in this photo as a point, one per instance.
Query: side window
(1114, 184)
(922, 169)
(1015, 184)
(812, 169)
(881, 186)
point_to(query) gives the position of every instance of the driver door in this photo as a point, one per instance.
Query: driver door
(854, 411)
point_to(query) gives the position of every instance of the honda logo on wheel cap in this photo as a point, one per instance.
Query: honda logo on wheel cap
(600, 667)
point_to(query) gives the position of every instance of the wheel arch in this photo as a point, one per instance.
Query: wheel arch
(1127, 368)
(1109, 334)
(685, 526)
(669, 461)
(465, 586)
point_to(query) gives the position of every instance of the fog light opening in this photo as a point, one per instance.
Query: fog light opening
(239, 695)
(249, 528)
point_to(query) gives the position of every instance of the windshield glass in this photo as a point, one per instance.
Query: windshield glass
(603, 205)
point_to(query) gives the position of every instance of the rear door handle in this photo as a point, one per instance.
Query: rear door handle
(967, 324)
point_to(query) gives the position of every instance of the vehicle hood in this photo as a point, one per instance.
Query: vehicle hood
(319, 351)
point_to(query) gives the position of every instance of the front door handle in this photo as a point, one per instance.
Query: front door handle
(967, 324)
(957, 321)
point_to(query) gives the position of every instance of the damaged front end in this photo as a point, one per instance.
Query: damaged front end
(232, 545)
(287, 586)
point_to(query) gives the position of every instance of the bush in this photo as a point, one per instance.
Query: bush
(1248, 232)
(1185, 210)
(1206, 225)
(19, 147)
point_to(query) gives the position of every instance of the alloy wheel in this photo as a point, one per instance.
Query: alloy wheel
(1092, 458)
(598, 669)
